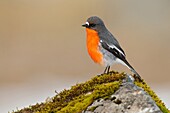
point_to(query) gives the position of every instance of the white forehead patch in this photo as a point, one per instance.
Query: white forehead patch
(87, 23)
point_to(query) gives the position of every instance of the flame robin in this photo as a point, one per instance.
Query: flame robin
(103, 47)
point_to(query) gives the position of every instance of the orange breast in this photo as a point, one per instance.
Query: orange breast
(92, 46)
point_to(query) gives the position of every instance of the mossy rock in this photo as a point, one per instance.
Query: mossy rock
(80, 96)
(159, 102)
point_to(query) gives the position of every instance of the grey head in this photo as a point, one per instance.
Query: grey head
(94, 23)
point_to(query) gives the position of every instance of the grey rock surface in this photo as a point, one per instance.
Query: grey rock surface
(129, 98)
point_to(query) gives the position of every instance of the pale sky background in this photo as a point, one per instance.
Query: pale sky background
(43, 46)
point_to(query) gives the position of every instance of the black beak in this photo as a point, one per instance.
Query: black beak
(85, 25)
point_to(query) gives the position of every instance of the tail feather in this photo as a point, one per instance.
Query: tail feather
(126, 63)
(137, 75)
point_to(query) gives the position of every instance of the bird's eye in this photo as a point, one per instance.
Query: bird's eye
(92, 25)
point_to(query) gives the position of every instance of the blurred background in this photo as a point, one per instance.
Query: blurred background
(43, 46)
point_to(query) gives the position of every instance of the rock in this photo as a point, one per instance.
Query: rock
(129, 98)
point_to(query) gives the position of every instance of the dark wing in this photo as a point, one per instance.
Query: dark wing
(111, 40)
(116, 52)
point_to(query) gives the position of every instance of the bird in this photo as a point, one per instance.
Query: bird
(103, 47)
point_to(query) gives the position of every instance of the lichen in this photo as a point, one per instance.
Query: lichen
(92, 108)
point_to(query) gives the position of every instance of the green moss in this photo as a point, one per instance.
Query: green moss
(92, 108)
(82, 102)
(159, 102)
(80, 96)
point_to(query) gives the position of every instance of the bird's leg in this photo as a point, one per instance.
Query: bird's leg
(108, 69)
(105, 70)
